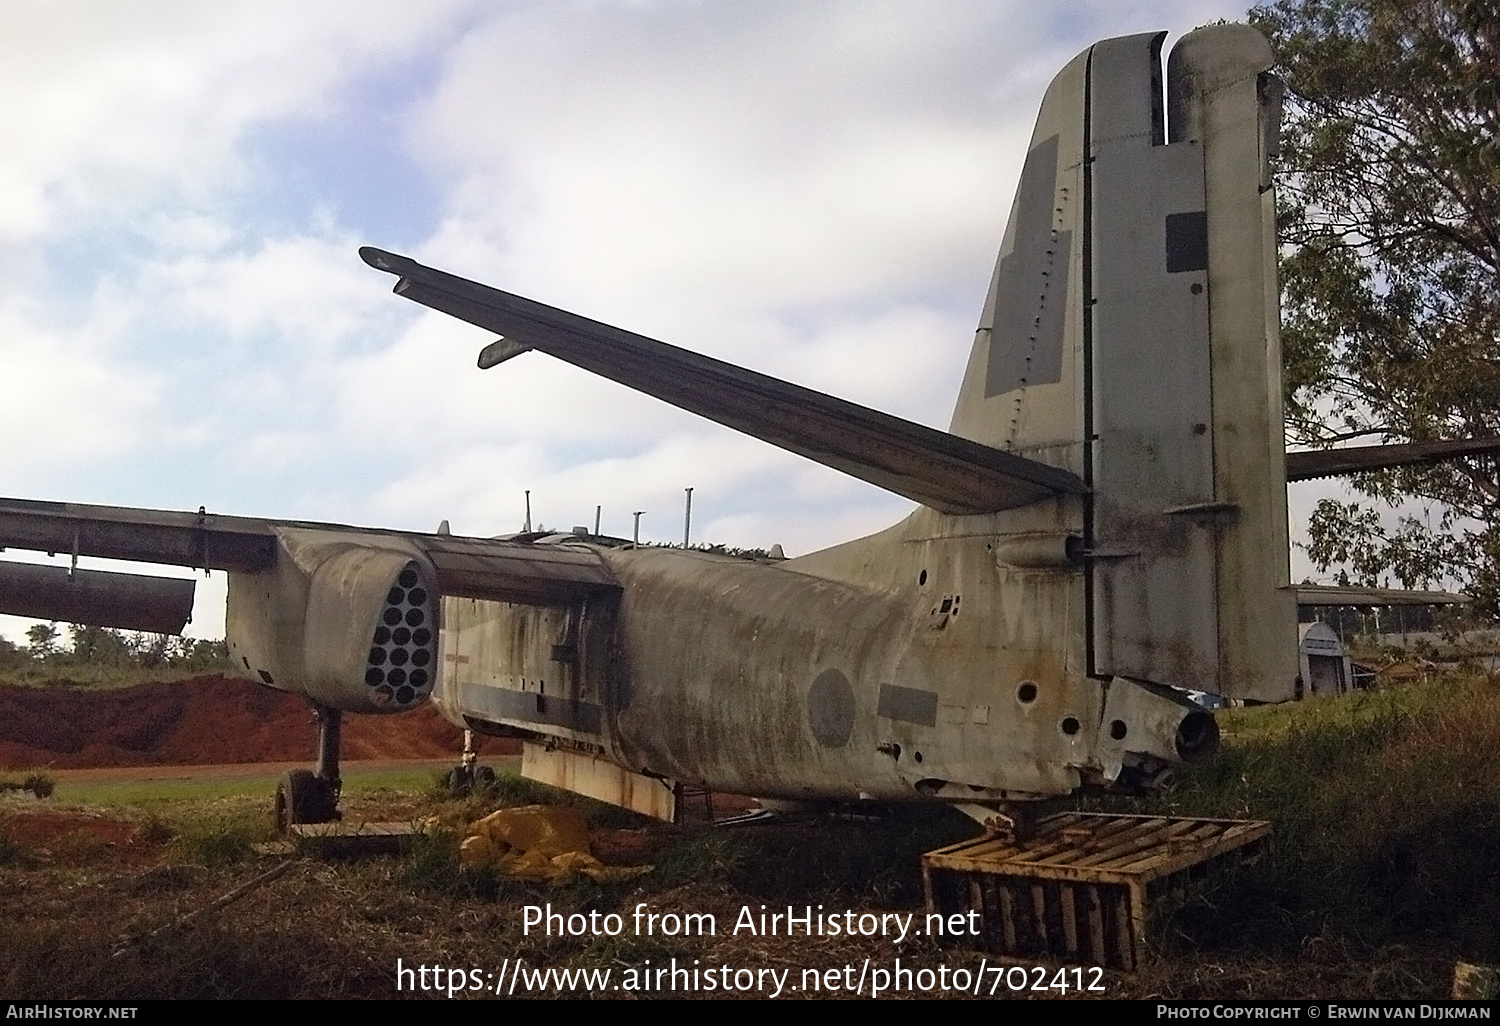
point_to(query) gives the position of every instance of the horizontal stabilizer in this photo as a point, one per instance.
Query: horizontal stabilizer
(99, 598)
(1334, 595)
(941, 470)
(1302, 466)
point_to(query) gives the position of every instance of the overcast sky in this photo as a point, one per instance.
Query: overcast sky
(815, 190)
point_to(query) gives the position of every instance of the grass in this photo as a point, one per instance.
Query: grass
(40, 785)
(1386, 856)
(12, 851)
(1386, 808)
(255, 784)
(509, 789)
(218, 843)
(98, 676)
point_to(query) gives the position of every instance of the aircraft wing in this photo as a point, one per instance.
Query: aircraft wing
(482, 568)
(1303, 466)
(936, 468)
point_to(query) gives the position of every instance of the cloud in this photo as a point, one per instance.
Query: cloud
(121, 107)
(771, 156)
(815, 190)
(306, 292)
(63, 401)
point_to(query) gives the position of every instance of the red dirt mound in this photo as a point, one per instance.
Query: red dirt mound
(210, 720)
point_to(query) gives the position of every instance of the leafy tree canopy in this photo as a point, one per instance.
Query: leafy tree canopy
(1390, 228)
(108, 647)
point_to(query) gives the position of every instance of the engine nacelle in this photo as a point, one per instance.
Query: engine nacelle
(349, 620)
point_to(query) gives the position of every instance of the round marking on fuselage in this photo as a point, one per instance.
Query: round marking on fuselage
(830, 709)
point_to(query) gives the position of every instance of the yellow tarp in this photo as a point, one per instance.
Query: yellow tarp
(538, 843)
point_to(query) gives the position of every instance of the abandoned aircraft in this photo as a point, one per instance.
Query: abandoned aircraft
(1102, 526)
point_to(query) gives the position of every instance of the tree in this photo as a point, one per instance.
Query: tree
(42, 640)
(11, 655)
(1389, 206)
(102, 646)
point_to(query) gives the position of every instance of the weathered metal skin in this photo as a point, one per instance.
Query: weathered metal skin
(315, 622)
(948, 676)
(161, 605)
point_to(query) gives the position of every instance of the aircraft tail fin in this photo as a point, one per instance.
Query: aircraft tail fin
(1130, 336)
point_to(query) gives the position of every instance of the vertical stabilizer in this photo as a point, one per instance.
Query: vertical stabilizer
(1130, 336)
(1221, 94)
(1023, 387)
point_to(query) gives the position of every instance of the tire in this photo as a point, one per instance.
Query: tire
(484, 776)
(459, 784)
(301, 797)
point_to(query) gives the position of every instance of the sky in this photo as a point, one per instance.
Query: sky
(812, 189)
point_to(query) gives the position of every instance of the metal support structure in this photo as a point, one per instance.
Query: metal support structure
(329, 723)
(635, 538)
(687, 519)
(471, 752)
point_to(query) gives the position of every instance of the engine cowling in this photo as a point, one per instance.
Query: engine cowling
(349, 620)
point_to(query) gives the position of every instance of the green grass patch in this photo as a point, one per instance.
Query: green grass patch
(38, 784)
(223, 842)
(254, 785)
(97, 676)
(1386, 810)
(840, 857)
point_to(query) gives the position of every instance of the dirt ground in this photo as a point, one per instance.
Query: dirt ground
(100, 907)
(201, 721)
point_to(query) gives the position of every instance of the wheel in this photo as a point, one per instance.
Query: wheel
(459, 784)
(484, 776)
(301, 797)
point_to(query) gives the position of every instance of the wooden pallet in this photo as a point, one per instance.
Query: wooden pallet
(1078, 888)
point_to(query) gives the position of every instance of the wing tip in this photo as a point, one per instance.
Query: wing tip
(382, 260)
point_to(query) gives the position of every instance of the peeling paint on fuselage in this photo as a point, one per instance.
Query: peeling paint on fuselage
(705, 672)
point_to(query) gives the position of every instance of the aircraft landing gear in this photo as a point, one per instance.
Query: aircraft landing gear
(312, 796)
(464, 778)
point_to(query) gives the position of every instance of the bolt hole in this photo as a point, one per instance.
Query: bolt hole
(1026, 693)
(917, 756)
(1070, 726)
(922, 578)
(1117, 730)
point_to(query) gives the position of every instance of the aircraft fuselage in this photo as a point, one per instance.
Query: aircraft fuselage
(949, 675)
